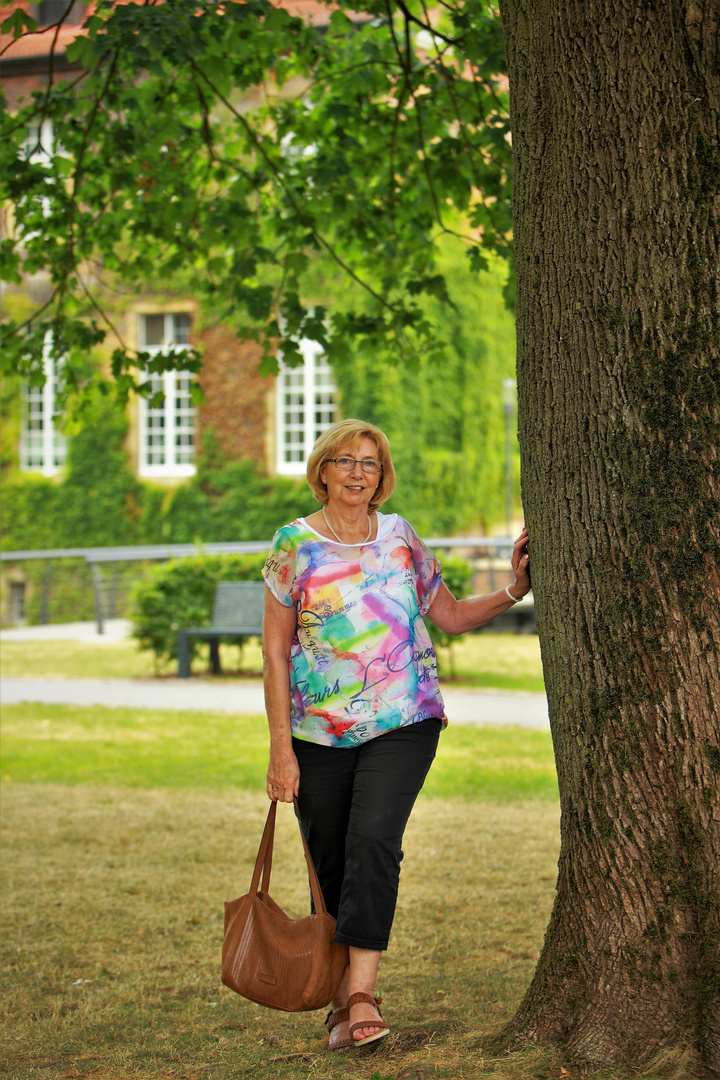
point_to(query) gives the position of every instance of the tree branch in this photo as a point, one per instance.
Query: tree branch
(78, 172)
(409, 17)
(94, 304)
(257, 143)
(31, 318)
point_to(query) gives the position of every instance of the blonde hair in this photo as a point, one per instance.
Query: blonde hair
(349, 434)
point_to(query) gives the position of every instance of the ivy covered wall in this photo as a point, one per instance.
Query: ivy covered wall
(444, 417)
(100, 503)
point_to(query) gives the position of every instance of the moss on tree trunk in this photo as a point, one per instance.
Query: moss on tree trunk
(616, 114)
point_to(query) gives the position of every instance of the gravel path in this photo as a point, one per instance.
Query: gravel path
(463, 706)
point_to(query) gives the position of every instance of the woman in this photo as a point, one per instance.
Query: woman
(351, 692)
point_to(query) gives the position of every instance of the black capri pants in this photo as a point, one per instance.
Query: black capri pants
(354, 804)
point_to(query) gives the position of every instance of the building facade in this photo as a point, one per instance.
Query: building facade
(273, 421)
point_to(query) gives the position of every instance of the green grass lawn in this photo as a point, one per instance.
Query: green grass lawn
(217, 751)
(500, 661)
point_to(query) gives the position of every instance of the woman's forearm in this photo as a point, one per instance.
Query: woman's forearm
(283, 775)
(276, 683)
(476, 611)
(461, 616)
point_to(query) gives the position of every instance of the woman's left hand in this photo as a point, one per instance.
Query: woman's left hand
(521, 565)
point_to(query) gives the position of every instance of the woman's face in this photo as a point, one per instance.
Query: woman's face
(352, 488)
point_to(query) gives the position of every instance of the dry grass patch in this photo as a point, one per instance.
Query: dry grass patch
(113, 924)
(112, 910)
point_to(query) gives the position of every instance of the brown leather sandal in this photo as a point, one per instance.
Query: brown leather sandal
(368, 999)
(331, 1020)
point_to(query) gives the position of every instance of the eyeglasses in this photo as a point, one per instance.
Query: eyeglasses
(346, 464)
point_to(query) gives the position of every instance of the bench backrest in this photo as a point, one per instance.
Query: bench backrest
(239, 604)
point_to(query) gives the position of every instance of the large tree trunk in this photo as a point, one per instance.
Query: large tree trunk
(615, 109)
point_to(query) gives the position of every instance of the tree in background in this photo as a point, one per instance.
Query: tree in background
(235, 144)
(393, 142)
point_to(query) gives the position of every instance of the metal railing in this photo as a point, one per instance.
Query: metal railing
(109, 582)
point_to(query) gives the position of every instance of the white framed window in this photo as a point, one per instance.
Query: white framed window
(38, 148)
(167, 430)
(38, 144)
(305, 408)
(43, 448)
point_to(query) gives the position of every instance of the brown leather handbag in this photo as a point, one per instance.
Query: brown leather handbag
(289, 964)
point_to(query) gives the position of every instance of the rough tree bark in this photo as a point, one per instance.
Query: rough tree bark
(615, 109)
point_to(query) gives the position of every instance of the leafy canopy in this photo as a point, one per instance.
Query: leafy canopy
(235, 144)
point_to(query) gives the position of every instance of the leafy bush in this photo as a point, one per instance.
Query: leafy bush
(100, 493)
(96, 505)
(180, 593)
(457, 575)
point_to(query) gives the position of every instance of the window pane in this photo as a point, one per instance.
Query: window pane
(168, 429)
(306, 406)
(181, 328)
(154, 330)
(42, 447)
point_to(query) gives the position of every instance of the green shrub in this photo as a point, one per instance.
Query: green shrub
(457, 575)
(180, 593)
(100, 493)
(95, 505)
(31, 514)
(232, 500)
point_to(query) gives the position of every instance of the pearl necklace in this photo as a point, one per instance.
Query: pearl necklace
(343, 541)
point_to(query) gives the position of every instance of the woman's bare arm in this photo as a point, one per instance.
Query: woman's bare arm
(459, 616)
(279, 624)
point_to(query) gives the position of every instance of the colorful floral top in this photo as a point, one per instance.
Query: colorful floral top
(362, 662)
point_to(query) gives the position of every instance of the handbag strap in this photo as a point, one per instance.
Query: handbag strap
(263, 863)
(317, 895)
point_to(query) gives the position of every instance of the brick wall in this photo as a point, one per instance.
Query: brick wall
(236, 395)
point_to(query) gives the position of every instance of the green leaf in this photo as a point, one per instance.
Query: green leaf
(19, 23)
(177, 175)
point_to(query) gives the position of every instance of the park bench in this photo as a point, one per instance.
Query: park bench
(237, 612)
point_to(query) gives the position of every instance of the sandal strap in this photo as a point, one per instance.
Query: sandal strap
(367, 999)
(337, 1017)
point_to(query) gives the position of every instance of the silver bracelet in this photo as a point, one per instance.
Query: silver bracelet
(515, 599)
